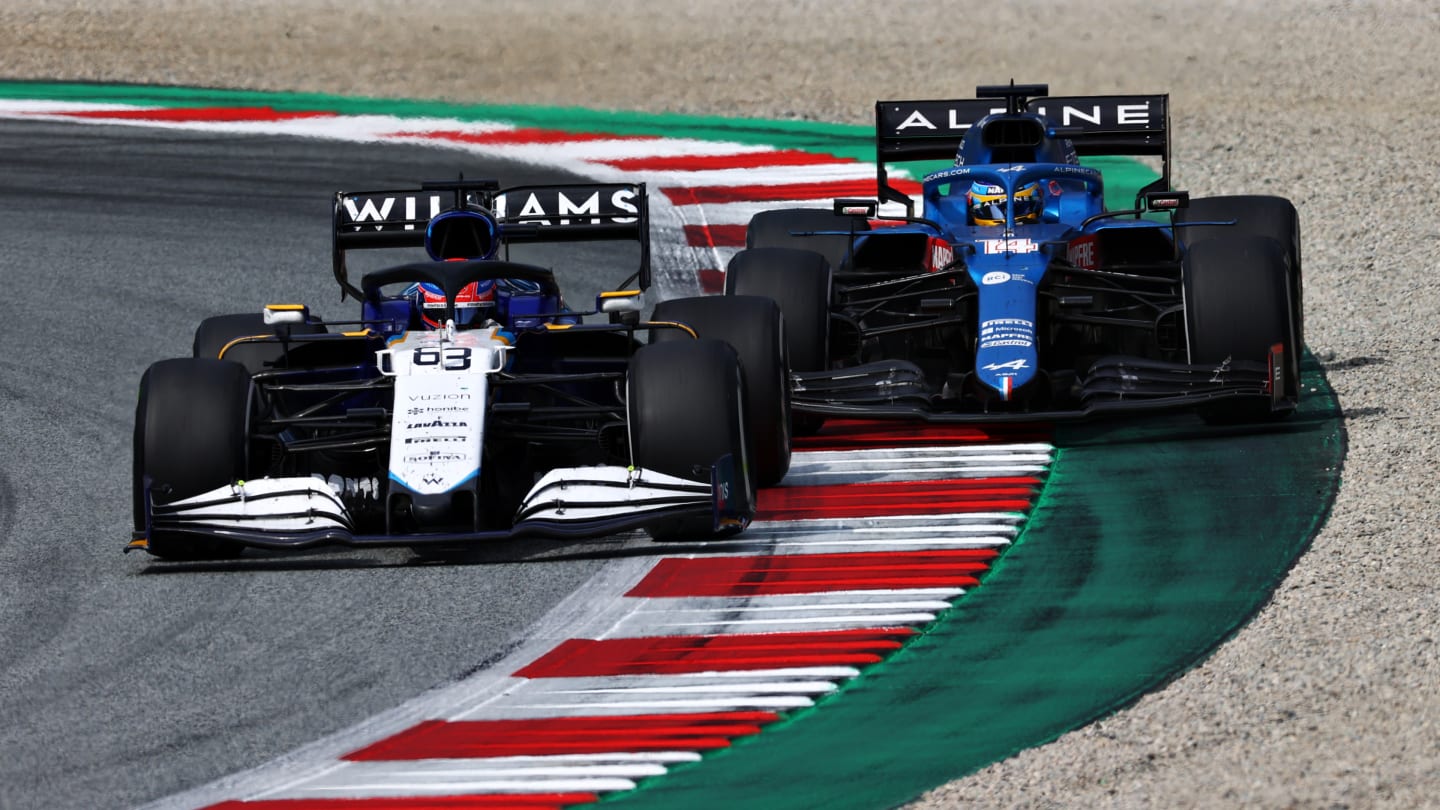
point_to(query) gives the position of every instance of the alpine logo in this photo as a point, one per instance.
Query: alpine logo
(1121, 115)
(1017, 364)
(1091, 114)
(953, 119)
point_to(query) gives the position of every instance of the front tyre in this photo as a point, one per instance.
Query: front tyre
(685, 400)
(1238, 305)
(800, 281)
(190, 437)
(754, 328)
(1256, 215)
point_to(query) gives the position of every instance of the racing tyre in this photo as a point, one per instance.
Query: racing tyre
(215, 334)
(800, 282)
(1258, 215)
(775, 229)
(686, 409)
(190, 438)
(1237, 305)
(754, 328)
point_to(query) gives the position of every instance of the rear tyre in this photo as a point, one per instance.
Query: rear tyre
(190, 437)
(686, 410)
(1237, 305)
(1257, 215)
(214, 338)
(754, 329)
(775, 229)
(800, 282)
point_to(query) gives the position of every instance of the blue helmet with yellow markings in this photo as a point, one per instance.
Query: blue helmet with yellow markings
(987, 203)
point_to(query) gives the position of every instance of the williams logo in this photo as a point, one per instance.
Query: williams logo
(594, 205)
(381, 211)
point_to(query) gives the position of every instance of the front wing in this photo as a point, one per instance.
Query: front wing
(568, 503)
(897, 389)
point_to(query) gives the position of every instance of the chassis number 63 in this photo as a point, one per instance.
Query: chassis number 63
(450, 358)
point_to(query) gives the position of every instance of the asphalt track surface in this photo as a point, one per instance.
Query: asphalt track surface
(124, 679)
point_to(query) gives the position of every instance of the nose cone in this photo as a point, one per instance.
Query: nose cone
(1005, 353)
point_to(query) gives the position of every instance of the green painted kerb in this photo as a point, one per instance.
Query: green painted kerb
(1149, 546)
(842, 140)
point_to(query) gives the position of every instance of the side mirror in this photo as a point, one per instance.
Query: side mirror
(285, 313)
(620, 301)
(1166, 200)
(623, 306)
(857, 208)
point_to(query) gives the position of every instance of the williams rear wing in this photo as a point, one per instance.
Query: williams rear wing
(1097, 125)
(571, 212)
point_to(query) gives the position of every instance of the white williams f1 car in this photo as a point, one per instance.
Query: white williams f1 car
(467, 403)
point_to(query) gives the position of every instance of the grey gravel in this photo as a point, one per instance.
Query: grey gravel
(1331, 696)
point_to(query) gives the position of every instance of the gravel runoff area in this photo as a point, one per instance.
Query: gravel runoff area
(1331, 696)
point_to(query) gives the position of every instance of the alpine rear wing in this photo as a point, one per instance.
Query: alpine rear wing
(571, 212)
(1096, 125)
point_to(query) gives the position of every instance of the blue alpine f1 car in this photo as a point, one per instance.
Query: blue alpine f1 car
(467, 402)
(1014, 294)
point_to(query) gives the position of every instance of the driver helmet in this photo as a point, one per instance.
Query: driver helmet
(987, 203)
(472, 305)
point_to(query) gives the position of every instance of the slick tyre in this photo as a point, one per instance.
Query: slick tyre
(754, 328)
(1238, 305)
(215, 339)
(685, 400)
(800, 282)
(190, 437)
(1256, 215)
(778, 229)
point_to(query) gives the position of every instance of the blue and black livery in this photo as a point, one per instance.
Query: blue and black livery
(1065, 312)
